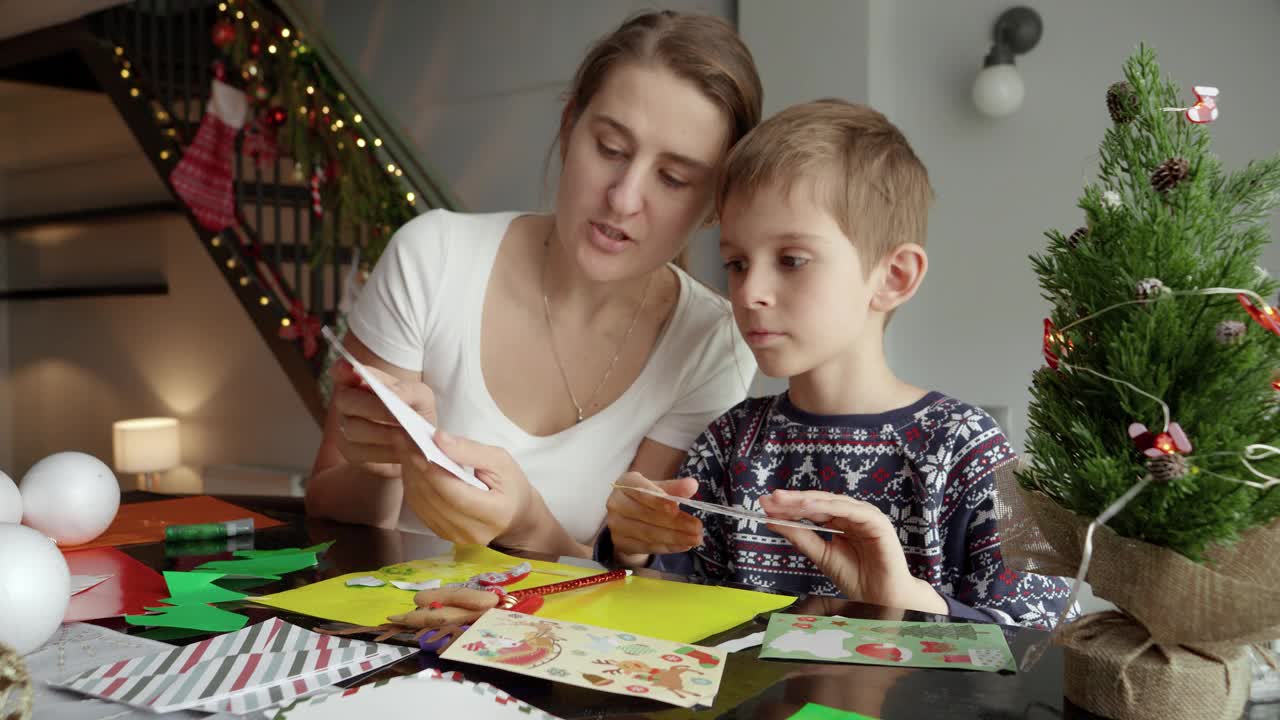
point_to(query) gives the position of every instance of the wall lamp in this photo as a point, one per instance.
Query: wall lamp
(998, 90)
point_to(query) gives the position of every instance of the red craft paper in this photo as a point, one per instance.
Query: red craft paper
(140, 523)
(131, 588)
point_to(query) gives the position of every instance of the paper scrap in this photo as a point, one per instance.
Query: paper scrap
(592, 657)
(814, 711)
(80, 583)
(317, 549)
(742, 643)
(131, 586)
(196, 616)
(957, 646)
(187, 588)
(448, 695)
(263, 665)
(645, 606)
(365, 581)
(419, 429)
(730, 511)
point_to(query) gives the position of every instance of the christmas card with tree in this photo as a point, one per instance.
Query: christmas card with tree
(963, 646)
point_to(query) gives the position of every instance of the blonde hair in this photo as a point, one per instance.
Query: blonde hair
(862, 169)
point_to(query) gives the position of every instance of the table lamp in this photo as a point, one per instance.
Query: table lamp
(145, 446)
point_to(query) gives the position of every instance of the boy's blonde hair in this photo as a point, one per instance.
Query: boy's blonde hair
(861, 166)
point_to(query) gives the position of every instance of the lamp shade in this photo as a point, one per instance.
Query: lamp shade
(145, 445)
(998, 90)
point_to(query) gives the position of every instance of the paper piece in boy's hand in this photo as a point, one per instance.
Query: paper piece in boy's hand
(592, 657)
(187, 588)
(814, 711)
(196, 616)
(366, 581)
(965, 646)
(417, 586)
(730, 511)
(419, 429)
(260, 666)
(448, 695)
(272, 566)
(80, 583)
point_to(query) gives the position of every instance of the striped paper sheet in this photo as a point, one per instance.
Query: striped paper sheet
(447, 694)
(262, 665)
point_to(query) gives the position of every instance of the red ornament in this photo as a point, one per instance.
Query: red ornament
(276, 116)
(1156, 444)
(261, 92)
(1266, 316)
(224, 33)
(255, 48)
(1056, 345)
(220, 71)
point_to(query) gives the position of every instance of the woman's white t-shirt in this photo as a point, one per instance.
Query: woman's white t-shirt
(421, 308)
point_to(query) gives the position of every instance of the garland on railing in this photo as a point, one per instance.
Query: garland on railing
(297, 105)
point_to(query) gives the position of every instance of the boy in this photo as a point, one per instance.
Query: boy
(823, 220)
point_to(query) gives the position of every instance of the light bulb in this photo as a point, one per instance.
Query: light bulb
(998, 90)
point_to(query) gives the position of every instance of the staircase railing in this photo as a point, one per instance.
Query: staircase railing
(289, 257)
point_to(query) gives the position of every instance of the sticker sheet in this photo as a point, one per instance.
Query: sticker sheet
(592, 657)
(963, 646)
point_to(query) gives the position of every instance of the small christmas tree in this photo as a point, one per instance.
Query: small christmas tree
(1141, 314)
(1154, 426)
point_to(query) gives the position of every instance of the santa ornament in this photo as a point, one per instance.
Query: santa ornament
(203, 178)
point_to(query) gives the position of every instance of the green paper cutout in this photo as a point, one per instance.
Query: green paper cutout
(317, 549)
(814, 711)
(187, 588)
(170, 634)
(272, 566)
(194, 617)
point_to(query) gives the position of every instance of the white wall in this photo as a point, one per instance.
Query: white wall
(974, 329)
(477, 86)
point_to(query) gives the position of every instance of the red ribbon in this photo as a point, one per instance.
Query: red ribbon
(1266, 316)
(304, 326)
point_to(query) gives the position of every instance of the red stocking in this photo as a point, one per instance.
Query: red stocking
(203, 177)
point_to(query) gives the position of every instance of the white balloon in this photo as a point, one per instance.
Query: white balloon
(35, 587)
(70, 496)
(10, 500)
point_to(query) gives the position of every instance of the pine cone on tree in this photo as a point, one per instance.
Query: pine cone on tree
(1151, 289)
(1077, 237)
(1230, 332)
(1169, 174)
(1122, 102)
(1167, 468)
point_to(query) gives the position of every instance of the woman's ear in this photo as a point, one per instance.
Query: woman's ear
(904, 269)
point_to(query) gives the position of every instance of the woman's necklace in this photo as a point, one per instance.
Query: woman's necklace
(546, 306)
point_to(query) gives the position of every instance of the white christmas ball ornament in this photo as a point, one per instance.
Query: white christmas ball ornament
(10, 500)
(70, 496)
(35, 587)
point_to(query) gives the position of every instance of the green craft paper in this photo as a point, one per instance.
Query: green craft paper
(814, 711)
(272, 566)
(195, 617)
(948, 646)
(187, 588)
(317, 549)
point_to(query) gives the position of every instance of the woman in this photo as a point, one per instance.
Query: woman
(560, 351)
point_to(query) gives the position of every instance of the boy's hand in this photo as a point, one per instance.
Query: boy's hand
(866, 563)
(643, 525)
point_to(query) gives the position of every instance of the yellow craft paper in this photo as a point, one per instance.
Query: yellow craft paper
(674, 611)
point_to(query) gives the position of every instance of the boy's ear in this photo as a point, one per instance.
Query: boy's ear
(904, 269)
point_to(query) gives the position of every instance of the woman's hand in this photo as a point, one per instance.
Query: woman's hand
(866, 563)
(459, 512)
(642, 525)
(367, 430)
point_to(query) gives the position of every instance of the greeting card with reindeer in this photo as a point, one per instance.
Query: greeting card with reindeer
(592, 657)
(958, 646)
